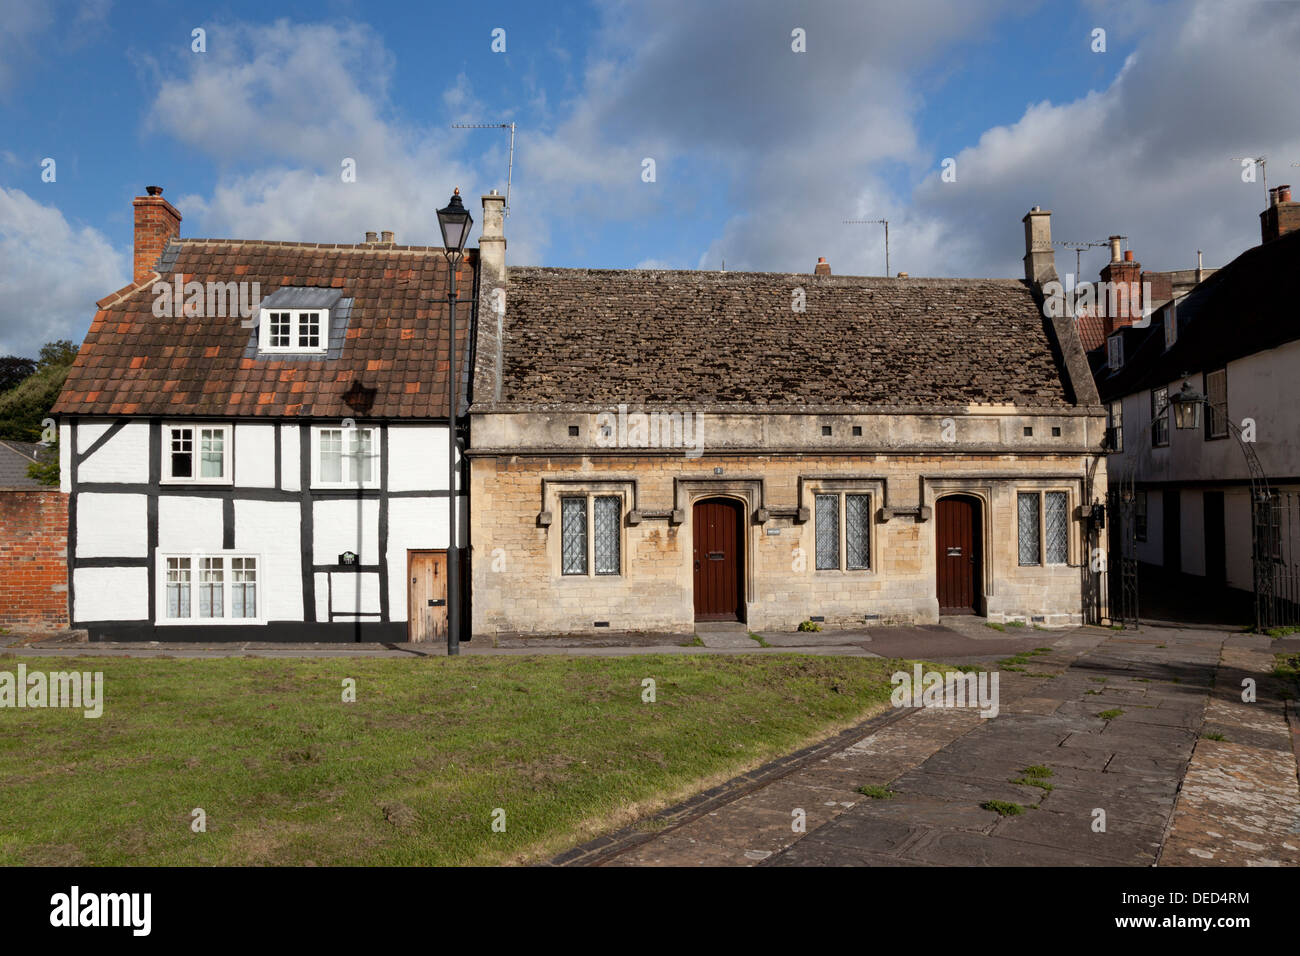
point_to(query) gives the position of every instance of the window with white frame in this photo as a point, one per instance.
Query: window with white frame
(197, 453)
(210, 589)
(294, 330)
(1043, 527)
(594, 544)
(345, 457)
(1160, 417)
(1216, 404)
(843, 531)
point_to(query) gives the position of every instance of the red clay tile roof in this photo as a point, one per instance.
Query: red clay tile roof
(1092, 330)
(133, 363)
(600, 337)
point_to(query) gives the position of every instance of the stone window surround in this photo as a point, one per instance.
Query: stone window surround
(553, 489)
(1042, 493)
(850, 485)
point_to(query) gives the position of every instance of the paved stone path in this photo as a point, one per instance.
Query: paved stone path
(1168, 794)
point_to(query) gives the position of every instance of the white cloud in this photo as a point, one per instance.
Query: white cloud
(52, 273)
(280, 108)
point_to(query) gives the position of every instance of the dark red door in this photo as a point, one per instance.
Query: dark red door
(719, 560)
(957, 536)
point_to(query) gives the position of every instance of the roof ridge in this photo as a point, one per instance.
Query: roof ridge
(300, 244)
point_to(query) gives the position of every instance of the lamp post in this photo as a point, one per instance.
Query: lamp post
(455, 222)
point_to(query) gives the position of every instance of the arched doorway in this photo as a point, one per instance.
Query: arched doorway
(719, 559)
(959, 554)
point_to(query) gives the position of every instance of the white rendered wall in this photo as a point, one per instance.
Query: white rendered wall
(255, 456)
(290, 460)
(271, 529)
(189, 524)
(112, 526)
(110, 594)
(123, 458)
(346, 525)
(417, 457)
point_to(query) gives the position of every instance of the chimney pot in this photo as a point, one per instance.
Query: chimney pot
(1283, 193)
(1115, 255)
(387, 236)
(1128, 255)
(823, 268)
(153, 190)
(902, 275)
(372, 237)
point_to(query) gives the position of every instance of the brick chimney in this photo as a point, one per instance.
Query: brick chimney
(156, 222)
(823, 268)
(492, 296)
(1040, 259)
(1281, 216)
(1123, 304)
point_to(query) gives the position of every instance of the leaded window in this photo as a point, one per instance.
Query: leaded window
(1056, 526)
(573, 535)
(857, 531)
(828, 532)
(1027, 508)
(605, 520)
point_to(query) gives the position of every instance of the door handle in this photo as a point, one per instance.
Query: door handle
(437, 602)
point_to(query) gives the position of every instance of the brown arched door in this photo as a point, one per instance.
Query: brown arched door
(719, 558)
(958, 558)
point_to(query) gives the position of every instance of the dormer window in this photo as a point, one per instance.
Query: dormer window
(294, 330)
(1115, 352)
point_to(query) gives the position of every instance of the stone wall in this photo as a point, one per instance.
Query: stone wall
(518, 587)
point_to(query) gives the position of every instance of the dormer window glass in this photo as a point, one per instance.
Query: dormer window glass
(294, 330)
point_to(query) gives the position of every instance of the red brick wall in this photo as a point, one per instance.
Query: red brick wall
(34, 559)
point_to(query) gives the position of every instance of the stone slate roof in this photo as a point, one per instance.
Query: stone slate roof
(395, 341)
(15, 456)
(1245, 307)
(601, 337)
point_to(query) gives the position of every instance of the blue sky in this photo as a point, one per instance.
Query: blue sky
(760, 151)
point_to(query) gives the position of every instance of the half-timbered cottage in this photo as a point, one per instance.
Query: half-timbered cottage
(253, 438)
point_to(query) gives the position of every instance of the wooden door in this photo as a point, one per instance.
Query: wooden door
(426, 605)
(1216, 560)
(957, 558)
(1173, 529)
(719, 559)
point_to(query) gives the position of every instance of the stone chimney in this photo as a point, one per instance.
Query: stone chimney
(1040, 260)
(823, 268)
(1281, 216)
(387, 237)
(156, 223)
(372, 238)
(491, 297)
(1122, 304)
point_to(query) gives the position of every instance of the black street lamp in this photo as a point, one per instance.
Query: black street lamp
(1187, 404)
(455, 222)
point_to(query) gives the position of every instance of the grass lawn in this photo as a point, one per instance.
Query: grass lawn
(287, 773)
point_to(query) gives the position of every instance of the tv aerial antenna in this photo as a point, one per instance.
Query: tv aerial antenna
(1262, 163)
(510, 169)
(876, 222)
(1079, 248)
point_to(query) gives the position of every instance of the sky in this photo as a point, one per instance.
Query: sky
(760, 150)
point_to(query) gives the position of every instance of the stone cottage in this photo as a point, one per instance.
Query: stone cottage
(649, 449)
